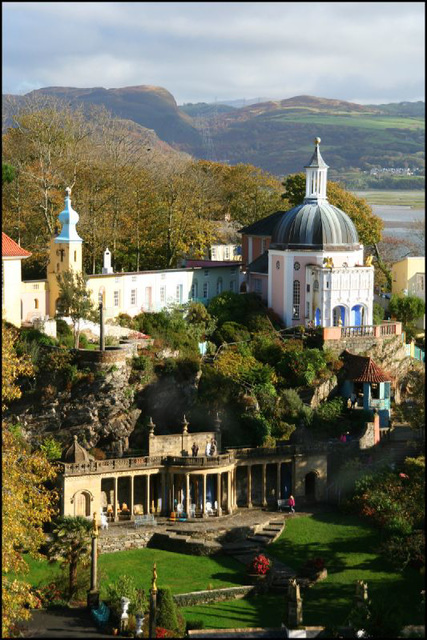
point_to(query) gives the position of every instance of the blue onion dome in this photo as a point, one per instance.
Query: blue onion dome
(315, 224)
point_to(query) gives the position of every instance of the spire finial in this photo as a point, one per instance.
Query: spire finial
(154, 580)
(68, 191)
(185, 424)
(317, 141)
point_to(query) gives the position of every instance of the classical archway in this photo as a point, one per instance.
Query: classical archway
(82, 504)
(338, 316)
(357, 315)
(310, 486)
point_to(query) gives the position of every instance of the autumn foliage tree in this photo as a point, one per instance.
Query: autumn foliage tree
(26, 502)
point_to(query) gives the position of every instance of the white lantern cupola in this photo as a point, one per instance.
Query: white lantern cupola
(68, 218)
(316, 177)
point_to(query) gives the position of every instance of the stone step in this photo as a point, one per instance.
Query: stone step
(261, 539)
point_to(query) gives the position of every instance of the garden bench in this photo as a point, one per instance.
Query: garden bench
(144, 520)
(283, 504)
(101, 615)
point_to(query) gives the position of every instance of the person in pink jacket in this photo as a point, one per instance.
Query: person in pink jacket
(292, 504)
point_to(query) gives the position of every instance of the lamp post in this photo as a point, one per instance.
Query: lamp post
(93, 593)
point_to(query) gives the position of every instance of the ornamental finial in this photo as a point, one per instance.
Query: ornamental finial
(153, 582)
(317, 141)
(94, 525)
(68, 191)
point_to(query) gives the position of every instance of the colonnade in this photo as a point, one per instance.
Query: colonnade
(181, 486)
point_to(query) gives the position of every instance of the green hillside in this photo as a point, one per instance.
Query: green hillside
(276, 136)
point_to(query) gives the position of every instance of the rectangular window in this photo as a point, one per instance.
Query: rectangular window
(308, 288)
(35, 286)
(133, 297)
(162, 295)
(258, 285)
(231, 285)
(206, 272)
(307, 310)
(116, 298)
(213, 253)
(178, 294)
(133, 278)
(206, 290)
(227, 253)
(116, 280)
(263, 242)
(163, 276)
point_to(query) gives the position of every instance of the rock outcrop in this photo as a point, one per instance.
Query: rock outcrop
(101, 412)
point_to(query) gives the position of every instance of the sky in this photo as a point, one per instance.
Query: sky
(365, 52)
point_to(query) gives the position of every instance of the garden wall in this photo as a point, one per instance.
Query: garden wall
(212, 595)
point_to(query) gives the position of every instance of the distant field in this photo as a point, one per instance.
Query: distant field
(414, 199)
(351, 120)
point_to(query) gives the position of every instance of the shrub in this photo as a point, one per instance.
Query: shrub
(257, 428)
(407, 550)
(195, 624)
(234, 332)
(187, 367)
(62, 328)
(142, 363)
(260, 565)
(125, 587)
(51, 448)
(98, 454)
(166, 610)
(83, 341)
(125, 320)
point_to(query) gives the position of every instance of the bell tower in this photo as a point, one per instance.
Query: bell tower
(65, 251)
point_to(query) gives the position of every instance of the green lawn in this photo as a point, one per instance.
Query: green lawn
(348, 546)
(181, 573)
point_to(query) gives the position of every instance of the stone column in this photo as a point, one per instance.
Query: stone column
(279, 483)
(264, 485)
(187, 494)
(115, 499)
(101, 327)
(249, 486)
(234, 488)
(218, 493)
(229, 496)
(204, 515)
(163, 490)
(93, 593)
(132, 496)
(147, 495)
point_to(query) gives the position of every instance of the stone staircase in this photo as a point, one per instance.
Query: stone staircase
(264, 535)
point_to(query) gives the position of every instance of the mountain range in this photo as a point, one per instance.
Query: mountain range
(276, 135)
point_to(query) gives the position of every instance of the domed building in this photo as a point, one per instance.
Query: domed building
(307, 263)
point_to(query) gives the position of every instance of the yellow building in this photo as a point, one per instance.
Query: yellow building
(408, 277)
(11, 256)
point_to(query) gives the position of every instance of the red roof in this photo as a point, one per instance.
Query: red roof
(10, 249)
(364, 369)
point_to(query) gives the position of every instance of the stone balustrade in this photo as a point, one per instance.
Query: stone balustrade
(199, 461)
(115, 464)
(376, 331)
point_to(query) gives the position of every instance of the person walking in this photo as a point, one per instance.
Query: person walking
(292, 503)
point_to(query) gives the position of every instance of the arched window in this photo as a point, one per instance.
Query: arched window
(36, 303)
(194, 290)
(316, 285)
(206, 290)
(219, 286)
(296, 299)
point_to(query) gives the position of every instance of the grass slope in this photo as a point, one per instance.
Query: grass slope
(181, 573)
(350, 550)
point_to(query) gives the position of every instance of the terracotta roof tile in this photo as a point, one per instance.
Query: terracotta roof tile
(10, 249)
(364, 369)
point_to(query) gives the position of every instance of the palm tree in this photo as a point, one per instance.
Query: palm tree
(71, 544)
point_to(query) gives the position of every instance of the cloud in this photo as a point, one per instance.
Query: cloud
(206, 50)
